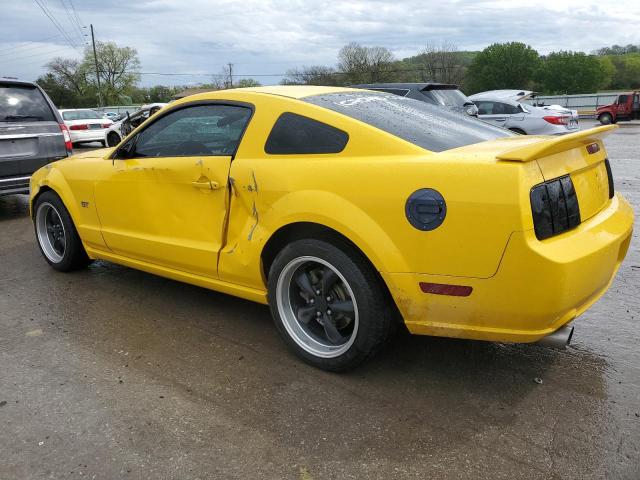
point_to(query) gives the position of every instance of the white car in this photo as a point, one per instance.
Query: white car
(127, 123)
(86, 125)
(503, 111)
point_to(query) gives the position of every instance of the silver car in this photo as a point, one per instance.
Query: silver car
(504, 111)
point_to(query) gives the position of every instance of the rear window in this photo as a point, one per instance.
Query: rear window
(428, 126)
(448, 97)
(294, 134)
(81, 115)
(23, 103)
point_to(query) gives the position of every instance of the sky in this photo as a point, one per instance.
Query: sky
(264, 39)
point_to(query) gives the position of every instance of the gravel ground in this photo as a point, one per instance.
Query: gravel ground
(113, 373)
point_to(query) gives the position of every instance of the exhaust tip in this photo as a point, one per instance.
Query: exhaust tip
(558, 339)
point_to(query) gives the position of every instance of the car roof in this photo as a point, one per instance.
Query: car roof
(409, 86)
(291, 91)
(493, 98)
(506, 93)
(15, 81)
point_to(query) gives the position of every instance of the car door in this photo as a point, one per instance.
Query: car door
(165, 199)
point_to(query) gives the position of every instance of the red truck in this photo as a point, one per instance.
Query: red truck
(626, 107)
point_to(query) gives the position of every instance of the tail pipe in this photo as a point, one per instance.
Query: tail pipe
(558, 339)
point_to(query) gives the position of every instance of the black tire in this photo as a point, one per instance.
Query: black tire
(605, 119)
(376, 315)
(519, 131)
(113, 139)
(73, 255)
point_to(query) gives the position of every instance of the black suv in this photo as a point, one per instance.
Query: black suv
(444, 95)
(32, 134)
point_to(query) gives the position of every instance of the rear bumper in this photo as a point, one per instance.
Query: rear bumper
(97, 135)
(539, 286)
(14, 185)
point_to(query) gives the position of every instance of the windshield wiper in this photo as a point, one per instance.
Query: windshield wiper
(20, 117)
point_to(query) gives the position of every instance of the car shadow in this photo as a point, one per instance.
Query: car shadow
(13, 207)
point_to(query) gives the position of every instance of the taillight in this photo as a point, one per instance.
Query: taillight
(555, 208)
(67, 138)
(557, 119)
(83, 126)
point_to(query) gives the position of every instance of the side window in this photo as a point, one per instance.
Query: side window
(201, 130)
(511, 109)
(484, 108)
(295, 134)
(622, 99)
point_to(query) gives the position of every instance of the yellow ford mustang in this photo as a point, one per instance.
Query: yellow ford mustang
(346, 211)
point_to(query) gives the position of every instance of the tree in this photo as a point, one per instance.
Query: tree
(574, 72)
(248, 82)
(503, 65)
(618, 50)
(360, 64)
(313, 75)
(117, 67)
(441, 63)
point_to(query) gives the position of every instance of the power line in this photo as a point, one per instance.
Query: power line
(72, 20)
(48, 53)
(28, 45)
(55, 22)
(75, 14)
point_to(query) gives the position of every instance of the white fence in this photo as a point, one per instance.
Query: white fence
(585, 103)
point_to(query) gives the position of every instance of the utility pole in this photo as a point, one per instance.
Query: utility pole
(230, 75)
(95, 57)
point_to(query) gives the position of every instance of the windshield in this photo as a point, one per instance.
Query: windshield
(420, 123)
(449, 98)
(81, 115)
(20, 103)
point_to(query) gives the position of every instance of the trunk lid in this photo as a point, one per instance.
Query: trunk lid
(580, 155)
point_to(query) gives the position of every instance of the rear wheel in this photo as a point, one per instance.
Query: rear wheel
(57, 236)
(328, 304)
(113, 139)
(605, 119)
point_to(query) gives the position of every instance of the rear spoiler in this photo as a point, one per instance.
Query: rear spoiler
(545, 146)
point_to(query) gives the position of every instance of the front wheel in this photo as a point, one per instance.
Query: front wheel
(328, 304)
(57, 236)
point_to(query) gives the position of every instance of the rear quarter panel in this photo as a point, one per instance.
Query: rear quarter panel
(361, 193)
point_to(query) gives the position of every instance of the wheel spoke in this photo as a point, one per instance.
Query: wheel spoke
(333, 335)
(344, 306)
(305, 314)
(58, 245)
(329, 278)
(303, 281)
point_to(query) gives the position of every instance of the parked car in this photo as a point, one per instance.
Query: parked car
(527, 97)
(347, 210)
(524, 119)
(113, 116)
(442, 94)
(626, 107)
(128, 123)
(32, 134)
(86, 125)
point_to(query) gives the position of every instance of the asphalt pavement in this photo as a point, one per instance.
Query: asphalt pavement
(111, 373)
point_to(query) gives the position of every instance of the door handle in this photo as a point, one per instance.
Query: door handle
(206, 184)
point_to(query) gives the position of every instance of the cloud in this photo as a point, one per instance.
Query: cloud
(270, 37)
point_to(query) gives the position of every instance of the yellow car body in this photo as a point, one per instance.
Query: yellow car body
(217, 221)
